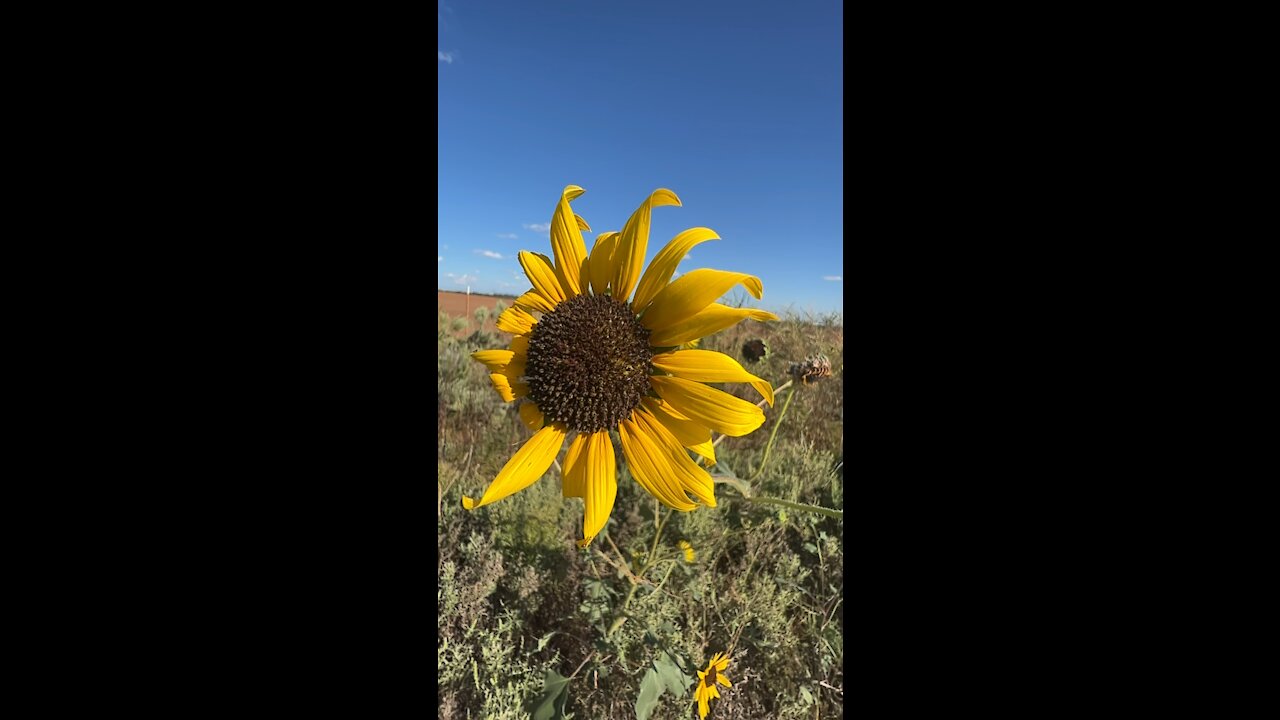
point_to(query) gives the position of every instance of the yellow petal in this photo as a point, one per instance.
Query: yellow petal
(572, 479)
(600, 482)
(707, 450)
(649, 466)
(507, 389)
(723, 680)
(542, 274)
(718, 410)
(710, 366)
(633, 242)
(600, 264)
(515, 321)
(495, 360)
(533, 300)
(688, 432)
(722, 662)
(693, 292)
(693, 479)
(714, 318)
(566, 243)
(531, 416)
(520, 345)
(526, 466)
(663, 265)
(703, 706)
(515, 369)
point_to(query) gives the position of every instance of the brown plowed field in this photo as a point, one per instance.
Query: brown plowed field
(459, 304)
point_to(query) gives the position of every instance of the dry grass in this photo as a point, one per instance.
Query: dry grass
(519, 599)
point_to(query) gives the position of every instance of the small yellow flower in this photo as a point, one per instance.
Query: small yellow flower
(707, 680)
(688, 551)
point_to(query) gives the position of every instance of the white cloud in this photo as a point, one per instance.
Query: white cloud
(833, 278)
(439, 259)
(508, 236)
(465, 279)
(444, 57)
(686, 257)
(538, 227)
(489, 254)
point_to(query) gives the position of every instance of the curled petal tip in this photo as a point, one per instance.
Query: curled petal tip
(572, 191)
(468, 503)
(663, 196)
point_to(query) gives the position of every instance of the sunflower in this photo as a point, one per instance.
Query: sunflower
(598, 347)
(707, 680)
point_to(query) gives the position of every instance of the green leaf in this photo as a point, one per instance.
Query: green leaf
(650, 691)
(549, 705)
(669, 672)
(807, 697)
(742, 486)
(542, 641)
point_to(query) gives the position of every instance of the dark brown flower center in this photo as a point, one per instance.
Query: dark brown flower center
(589, 363)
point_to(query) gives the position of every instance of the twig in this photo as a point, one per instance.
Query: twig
(831, 614)
(621, 568)
(824, 684)
(584, 662)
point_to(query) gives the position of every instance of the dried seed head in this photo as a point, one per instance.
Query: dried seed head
(754, 350)
(814, 367)
(589, 363)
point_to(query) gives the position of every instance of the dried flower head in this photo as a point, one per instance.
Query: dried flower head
(754, 350)
(814, 367)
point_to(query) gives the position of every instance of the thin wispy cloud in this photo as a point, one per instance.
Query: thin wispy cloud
(465, 279)
(543, 228)
(508, 236)
(686, 257)
(489, 254)
(439, 258)
(833, 278)
(445, 57)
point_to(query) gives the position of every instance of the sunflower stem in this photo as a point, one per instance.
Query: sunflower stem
(648, 562)
(791, 505)
(773, 434)
(664, 577)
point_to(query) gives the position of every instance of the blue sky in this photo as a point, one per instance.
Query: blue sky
(737, 107)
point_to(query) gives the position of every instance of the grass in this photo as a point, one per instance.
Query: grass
(521, 607)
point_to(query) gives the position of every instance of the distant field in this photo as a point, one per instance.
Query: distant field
(459, 304)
